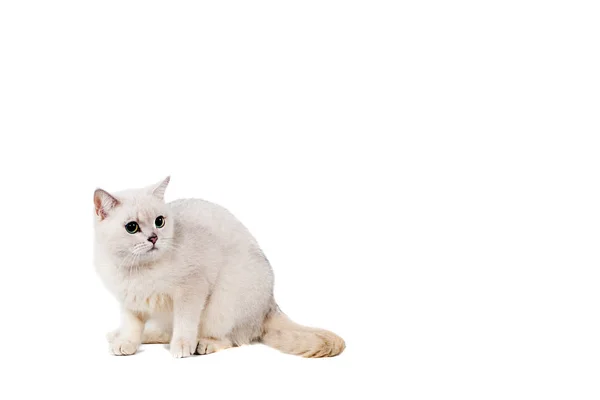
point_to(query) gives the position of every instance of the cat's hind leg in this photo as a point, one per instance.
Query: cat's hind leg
(151, 336)
(210, 345)
(159, 329)
(216, 324)
(156, 336)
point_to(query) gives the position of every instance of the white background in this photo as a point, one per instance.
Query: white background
(422, 175)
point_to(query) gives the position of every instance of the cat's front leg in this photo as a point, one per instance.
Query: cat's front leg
(188, 303)
(128, 338)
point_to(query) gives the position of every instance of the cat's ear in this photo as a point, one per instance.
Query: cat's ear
(103, 203)
(158, 190)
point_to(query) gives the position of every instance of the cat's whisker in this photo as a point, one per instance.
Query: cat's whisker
(132, 264)
(125, 260)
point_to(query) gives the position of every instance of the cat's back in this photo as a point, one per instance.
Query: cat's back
(197, 217)
(197, 208)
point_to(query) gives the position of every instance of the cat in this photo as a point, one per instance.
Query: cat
(188, 273)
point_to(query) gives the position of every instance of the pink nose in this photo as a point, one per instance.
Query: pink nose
(153, 239)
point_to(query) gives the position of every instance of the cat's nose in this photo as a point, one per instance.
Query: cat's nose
(152, 238)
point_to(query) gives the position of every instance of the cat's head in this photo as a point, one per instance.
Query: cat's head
(134, 226)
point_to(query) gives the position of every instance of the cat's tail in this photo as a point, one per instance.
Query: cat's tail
(282, 333)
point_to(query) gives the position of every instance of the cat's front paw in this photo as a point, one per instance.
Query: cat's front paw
(112, 335)
(181, 347)
(123, 347)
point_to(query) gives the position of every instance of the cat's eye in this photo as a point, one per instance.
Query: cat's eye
(132, 227)
(159, 221)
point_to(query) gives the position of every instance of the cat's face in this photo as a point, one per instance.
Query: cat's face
(135, 226)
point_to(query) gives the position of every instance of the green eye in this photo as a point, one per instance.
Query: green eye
(132, 227)
(159, 221)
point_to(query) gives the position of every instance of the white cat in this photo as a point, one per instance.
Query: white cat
(191, 274)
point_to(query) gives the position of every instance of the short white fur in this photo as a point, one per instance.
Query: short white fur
(204, 286)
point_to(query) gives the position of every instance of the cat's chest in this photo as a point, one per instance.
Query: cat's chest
(147, 293)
